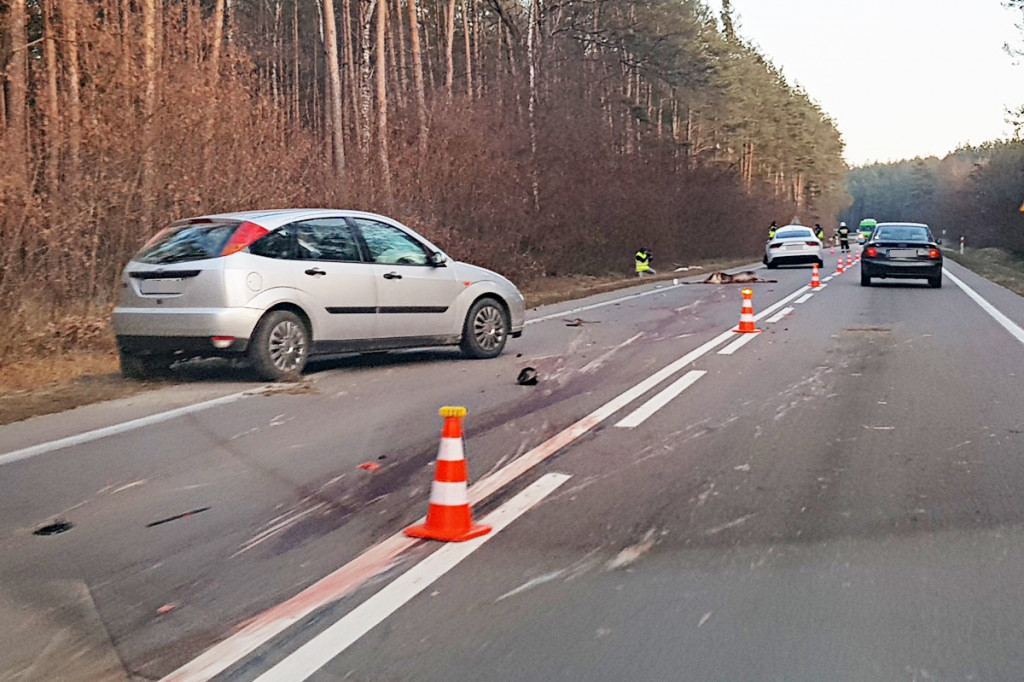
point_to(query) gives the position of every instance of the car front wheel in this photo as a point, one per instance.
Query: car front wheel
(486, 329)
(279, 347)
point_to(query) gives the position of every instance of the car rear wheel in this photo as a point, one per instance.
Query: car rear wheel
(280, 346)
(865, 281)
(486, 329)
(935, 282)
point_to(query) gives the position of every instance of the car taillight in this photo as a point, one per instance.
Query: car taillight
(774, 246)
(244, 234)
(812, 243)
(871, 252)
(933, 253)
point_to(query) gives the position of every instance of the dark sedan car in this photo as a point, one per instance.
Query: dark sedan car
(901, 251)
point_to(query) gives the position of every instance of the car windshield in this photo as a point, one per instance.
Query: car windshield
(187, 242)
(903, 233)
(802, 233)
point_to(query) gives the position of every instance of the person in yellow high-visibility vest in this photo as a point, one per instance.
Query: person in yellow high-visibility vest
(643, 263)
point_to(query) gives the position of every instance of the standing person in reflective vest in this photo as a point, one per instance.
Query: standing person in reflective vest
(844, 237)
(819, 232)
(643, 263)
(771, 230)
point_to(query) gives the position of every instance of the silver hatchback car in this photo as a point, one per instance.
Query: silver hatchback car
(281, 286)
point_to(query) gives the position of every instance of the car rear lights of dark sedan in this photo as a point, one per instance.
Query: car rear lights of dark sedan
(933, 253)
(871, 252)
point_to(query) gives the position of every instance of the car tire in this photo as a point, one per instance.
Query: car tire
(485, 330)
(821, 263)
(279, 346)
(770, 265)
(865, 281)
(935, 282)
(142, 367)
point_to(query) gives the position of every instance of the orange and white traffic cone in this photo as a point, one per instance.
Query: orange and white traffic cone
(815, 279)
(831, 249)
(849, 259)
(747, 314)
(839, 265)
(449, 517)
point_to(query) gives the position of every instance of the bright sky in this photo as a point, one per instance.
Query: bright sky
(901, 78)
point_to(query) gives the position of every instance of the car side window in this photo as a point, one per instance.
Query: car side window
(389, 245)
(328, 239)
(278, 243)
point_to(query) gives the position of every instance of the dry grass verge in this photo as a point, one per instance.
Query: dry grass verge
(73, 362)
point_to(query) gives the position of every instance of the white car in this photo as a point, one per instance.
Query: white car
(793, 244)
(280, 286)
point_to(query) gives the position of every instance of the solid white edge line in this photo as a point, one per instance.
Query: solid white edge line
(327, 645)
(804, 298)
(96, 434)
(737, 344)
(660, 400)
(1002, 319)
(779, 315)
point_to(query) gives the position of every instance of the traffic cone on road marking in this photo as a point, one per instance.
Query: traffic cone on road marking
(747, 314)
(849, 259)
(831, 249)
(815, 279)
(449, 517)
(839, 265)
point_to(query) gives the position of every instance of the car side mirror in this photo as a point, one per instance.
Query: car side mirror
(939, 241)
(437, 259)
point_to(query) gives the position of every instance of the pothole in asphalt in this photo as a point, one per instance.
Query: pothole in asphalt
(55, 528)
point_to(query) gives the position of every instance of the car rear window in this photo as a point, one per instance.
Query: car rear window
(904, 234)
(793, 234)
(193, 240)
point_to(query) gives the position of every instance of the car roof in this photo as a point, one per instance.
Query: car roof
(275, 217)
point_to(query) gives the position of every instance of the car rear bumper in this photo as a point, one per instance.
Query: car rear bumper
(143, 330)
(186, 346)
(795, 259)
(900, 270)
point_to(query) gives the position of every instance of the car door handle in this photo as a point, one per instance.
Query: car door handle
(315, 272)
(392, 275)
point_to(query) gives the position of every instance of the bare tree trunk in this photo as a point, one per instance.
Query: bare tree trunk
(351, 75)
(366, 8)
(449, 47)
(532, 57)
(469, 54)
(216, 43)
(150, 59)
(417, 74)
(53, 143)
(69, 17)
(17, 82)
(382, 102)
(296, 115)
(403, 67)
(334, 78)
(393, 70)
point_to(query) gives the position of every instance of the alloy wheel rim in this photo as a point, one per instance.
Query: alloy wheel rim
(287, 346)
(489, 328)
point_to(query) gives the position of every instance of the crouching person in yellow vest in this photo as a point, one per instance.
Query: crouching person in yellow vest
(643, 263)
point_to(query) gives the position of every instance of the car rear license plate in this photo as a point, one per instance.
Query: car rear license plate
(161, 286)
(794, 247)
(902, 253)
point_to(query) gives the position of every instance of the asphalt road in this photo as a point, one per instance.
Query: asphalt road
(836, 499)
